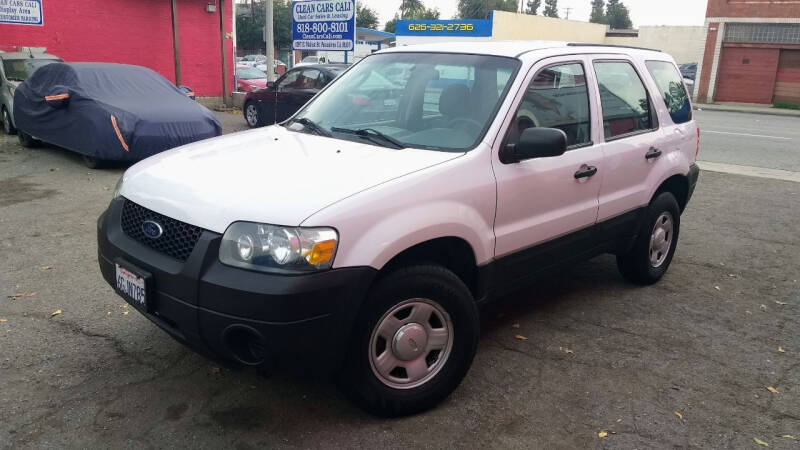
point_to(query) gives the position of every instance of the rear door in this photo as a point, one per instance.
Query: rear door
(631, 134)
(546, 207)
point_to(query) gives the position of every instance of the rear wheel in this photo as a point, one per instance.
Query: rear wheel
(415, 340)
(252, 115)
(26, 140)
(655, 246)
(94, 163)
(8, 127)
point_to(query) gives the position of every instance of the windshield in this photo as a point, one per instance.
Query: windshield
(250, 74)
(434, 101)
(21, 69)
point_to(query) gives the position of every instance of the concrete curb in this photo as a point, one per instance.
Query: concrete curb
(766, 110)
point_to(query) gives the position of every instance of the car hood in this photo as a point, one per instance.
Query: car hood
(268, 175)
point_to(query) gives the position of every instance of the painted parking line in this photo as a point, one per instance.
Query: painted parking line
(748, 135)
(750, 171)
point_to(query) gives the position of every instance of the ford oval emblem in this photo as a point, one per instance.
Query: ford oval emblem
(152, 229)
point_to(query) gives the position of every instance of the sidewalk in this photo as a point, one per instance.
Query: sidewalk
(747, 108)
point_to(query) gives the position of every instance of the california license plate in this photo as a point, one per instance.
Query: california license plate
(132, 286)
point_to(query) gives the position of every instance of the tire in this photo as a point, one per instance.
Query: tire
(407, 295)
(8, 127)
(26, 140)
(252, 115)
(644, 264)
(93, 163)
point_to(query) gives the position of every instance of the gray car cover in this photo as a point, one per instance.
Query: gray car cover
(113, 112)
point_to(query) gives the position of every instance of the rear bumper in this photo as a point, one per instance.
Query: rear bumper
(252, 318)
(693, 176)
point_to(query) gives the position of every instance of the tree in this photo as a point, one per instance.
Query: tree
(480, 9)
(533, 7)
(414, 10)
(250, 28)
(598, 14)
(366, 17)
(550, 8)
(391, 26)
(618, 16)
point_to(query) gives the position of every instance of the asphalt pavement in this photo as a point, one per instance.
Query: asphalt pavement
(758, 140)
(685, 363)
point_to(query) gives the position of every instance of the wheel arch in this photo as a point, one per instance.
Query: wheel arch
(677, 185)
(453, 253)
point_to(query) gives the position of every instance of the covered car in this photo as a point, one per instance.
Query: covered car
(108, 112)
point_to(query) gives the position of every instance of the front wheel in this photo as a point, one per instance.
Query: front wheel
(655, 246)
(8, 127)
(415, 340)
(26, 140)
(252, 116)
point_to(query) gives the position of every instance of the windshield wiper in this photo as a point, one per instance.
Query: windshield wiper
(14, 79)
(311, 125)
(371, 134)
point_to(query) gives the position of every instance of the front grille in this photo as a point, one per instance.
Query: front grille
(178, 239)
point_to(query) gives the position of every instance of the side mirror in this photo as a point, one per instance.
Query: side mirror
(535, 143)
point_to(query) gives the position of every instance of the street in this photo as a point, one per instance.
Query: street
(684, 363)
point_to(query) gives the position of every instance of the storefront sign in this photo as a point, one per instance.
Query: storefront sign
(459, 28)
(323, 24)
(21, 12)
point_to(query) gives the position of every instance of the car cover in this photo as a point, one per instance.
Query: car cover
(112, 112)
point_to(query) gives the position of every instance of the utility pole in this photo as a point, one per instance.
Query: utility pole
(226, 91)
(269, 36)
(175, 46)
(568, 10)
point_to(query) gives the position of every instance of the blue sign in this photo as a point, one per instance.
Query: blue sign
(21, 12)
(323, 24)
(458, 27)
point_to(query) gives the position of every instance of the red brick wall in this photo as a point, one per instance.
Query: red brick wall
(747, 74)
(753, 8)
(133, 32)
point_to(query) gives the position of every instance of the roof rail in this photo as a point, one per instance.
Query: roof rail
(583, 44)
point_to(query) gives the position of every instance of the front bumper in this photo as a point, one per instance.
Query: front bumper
(252, 318)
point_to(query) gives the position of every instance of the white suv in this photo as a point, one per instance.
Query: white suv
(359, 237)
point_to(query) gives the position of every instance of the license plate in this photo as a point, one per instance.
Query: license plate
(132, 286)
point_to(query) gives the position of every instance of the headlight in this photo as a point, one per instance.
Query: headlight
(118, 188)
(271, 248)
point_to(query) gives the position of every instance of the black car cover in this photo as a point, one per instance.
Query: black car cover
(113, 112)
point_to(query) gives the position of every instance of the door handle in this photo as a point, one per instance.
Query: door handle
(652, 153)
(585, 172)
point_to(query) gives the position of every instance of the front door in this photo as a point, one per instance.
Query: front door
(297, 90)
(546, 207)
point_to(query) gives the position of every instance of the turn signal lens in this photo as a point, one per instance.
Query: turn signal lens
(321, 252)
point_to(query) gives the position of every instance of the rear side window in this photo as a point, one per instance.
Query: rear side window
(670, 84)
(626, 106)
(556, 98)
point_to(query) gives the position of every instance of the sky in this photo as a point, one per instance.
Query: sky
(643, 12)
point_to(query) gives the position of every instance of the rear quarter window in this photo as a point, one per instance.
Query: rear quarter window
(670, 84)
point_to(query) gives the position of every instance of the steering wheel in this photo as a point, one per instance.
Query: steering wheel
(470, 123)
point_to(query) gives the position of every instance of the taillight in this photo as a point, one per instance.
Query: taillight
(697, 150)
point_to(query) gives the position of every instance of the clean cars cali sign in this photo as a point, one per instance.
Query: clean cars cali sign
(21, 12)
(323, 24)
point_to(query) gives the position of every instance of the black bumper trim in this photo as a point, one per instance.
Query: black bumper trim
(199, 301)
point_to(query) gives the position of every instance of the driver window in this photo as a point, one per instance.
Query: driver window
(310, 79)
(556, 98)
(289, 80)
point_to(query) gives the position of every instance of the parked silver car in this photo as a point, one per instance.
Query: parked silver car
(15, 68)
